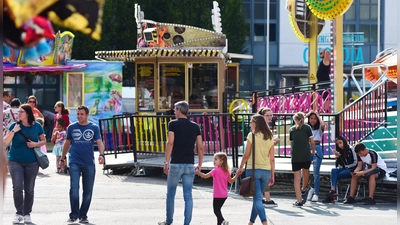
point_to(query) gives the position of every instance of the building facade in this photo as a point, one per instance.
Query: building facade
(288, 56)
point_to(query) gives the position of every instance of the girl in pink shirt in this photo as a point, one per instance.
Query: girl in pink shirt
(221, 177)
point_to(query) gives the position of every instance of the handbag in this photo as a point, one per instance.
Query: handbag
(41, 157)
(247, 184)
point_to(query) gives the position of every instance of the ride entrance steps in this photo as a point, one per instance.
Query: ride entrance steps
(384, 139)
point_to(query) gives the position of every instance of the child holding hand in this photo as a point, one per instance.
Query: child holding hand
(58, 139)
(221, 177)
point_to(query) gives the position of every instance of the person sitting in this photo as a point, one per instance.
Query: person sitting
(346, 162)
(371, 167)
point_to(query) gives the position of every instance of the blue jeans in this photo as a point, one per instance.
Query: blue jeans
(175, 173)
(261, 178)
(88, 174)
(337, 174)
(23, 176)
(316, 168)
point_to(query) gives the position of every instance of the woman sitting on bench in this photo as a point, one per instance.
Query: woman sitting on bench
(346, 162)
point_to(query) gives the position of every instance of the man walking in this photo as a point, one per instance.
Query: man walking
(81, 136)
(183, 134)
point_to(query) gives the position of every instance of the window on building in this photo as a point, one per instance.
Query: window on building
(350, 13)
(259, 11)
(362, 20)
(272, 32)
(259, 78)
(46, 88)
(244, 78)
(246, 10)
(203, 86)
(145, 90)
(172, 84)
(259, 32)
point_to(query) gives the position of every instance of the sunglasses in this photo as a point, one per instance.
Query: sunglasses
(32, 101)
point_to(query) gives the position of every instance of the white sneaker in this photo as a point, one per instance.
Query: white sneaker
(314, 198)
(18, 219)
(163, 223)
(310, 194)
(27, 219)
(225, 222)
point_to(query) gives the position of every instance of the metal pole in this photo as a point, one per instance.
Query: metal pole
(379, 26)
(267, 49)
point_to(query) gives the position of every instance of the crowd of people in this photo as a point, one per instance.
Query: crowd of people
(23, 131)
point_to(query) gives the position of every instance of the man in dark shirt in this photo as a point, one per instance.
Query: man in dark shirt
(324, 67)
(183, 134)
(323, 72)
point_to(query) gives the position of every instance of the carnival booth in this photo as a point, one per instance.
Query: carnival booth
(176, 62)
(40, 75)
(54, 76)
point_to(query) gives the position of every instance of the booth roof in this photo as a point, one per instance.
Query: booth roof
(43, 68)
(130, 55)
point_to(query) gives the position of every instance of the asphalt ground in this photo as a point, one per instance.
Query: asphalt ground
(125, 199)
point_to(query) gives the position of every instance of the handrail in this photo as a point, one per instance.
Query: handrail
(363, 66)
(363, 116)
(363, 95)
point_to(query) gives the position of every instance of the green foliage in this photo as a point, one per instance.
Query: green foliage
(119, 24)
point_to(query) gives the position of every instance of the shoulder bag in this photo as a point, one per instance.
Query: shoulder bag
(247, 184)
(41, 157)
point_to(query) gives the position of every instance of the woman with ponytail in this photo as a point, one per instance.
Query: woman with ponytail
(301, 136)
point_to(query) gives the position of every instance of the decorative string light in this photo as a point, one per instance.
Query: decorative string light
(333, 65)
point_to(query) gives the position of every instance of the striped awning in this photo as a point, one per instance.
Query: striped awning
(130, 55)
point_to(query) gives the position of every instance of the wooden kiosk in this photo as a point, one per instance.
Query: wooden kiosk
(176, 62)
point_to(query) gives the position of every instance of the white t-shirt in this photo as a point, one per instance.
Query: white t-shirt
(317, 134)
(370, 158)
(6, 105)
(10, 116)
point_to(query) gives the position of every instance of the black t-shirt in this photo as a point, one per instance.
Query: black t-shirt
(323, 74)
(185, 133)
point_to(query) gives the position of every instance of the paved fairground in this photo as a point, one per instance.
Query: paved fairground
(125, 199)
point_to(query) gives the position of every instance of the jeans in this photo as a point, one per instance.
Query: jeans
(316, 168)
(261, 178)
(23, 176)
(337, 174)
(175, 173)
(88, 174)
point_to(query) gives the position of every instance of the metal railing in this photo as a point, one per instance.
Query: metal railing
(226, 132)
(363, 116)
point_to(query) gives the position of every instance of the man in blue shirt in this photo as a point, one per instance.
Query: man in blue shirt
(81, 137)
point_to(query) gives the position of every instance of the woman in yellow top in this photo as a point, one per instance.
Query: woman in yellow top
(264, 164)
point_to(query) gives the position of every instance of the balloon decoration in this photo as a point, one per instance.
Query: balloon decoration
(27, 25)
(328, 9)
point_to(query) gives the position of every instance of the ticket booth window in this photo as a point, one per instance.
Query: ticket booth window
(145, 81)
(203, 85)
(172, 84)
